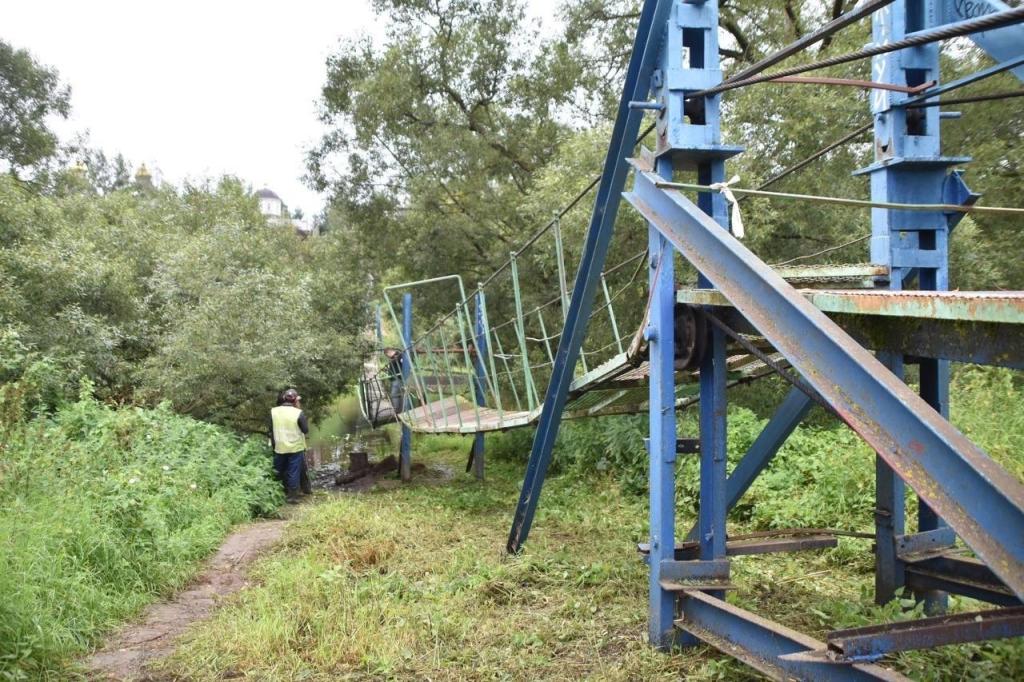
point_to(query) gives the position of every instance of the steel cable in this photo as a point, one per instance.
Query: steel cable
(985, 23)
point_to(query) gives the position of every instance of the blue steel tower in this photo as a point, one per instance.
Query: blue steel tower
(689, 141)
(909, 168)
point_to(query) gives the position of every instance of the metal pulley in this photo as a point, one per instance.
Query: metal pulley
(691, 336)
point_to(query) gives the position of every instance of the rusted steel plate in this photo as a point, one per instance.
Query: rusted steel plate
(1004, 307)
(845, 276)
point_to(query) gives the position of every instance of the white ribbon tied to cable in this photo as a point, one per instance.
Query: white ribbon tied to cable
(736, 220)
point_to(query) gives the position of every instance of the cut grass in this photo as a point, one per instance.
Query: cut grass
(411, 583)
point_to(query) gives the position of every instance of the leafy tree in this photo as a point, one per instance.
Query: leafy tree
(420, 171)
(180, 295)
(783, 124)
(29, 93)
(441, 129)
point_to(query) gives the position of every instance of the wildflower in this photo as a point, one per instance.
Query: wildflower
(132, 481)
(192, 487)
(167, 468)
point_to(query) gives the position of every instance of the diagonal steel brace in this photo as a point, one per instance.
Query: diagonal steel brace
(980, 500)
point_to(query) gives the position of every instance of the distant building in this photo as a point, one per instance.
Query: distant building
(144, 179)
(277, 214)
(271, 205)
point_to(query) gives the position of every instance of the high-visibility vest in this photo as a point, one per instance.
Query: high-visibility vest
(288, 437)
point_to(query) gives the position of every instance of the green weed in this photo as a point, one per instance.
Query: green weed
(101, 511)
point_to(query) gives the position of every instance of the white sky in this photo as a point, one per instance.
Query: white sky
(196, 89)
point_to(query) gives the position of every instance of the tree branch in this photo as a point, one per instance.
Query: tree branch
(839, 7)
(742, 42)
(793, 17)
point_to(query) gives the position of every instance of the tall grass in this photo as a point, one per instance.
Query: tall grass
(822, 476)
(101, 511)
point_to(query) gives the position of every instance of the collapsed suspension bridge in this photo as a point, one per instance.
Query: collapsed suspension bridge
(629, 338)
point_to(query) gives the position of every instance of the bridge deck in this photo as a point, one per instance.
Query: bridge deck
(615, 387)
(1002, 307)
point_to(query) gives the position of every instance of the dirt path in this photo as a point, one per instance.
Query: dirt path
(127, 653)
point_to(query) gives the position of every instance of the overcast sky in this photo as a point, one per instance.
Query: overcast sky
(196, 89)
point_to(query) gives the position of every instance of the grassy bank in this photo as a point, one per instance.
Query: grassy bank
(411, 582)
(101, 511)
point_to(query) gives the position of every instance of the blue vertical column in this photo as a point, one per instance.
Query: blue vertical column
(405, 450)
(890, 515)
(712, 511)
(661, 441)
(480, 377)
(910, 168)
(713, 375)
(688, 142)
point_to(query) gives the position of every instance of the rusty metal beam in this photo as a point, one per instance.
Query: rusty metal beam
(1000, 307)
(758, 543)
(874, 641)
(1000, 344)
(763, 644)
(958, 575)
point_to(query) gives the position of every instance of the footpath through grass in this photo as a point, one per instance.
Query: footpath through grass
(104, 510)
(410, 582)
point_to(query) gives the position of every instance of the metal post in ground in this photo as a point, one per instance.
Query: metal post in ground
(661, 441)
(689, 141)
(480, 367)
(405, 451)
(909, 167)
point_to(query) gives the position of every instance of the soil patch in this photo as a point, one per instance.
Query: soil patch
(323, 478)
(128, 652)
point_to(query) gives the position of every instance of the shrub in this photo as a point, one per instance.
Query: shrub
(104, 509)
(179, 295)
(822, 477)
(988, 406)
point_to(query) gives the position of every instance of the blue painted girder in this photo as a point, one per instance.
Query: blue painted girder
(981, 501)
(764, 645)
(649, 36)
(785, 420)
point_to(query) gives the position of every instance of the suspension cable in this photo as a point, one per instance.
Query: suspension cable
(843, 201)
(830, 249)
(826, 31)
(984, 23)
(968, 100)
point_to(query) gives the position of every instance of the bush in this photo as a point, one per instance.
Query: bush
(988, 406)
(182, 295)
(822, 477)
(105, 509)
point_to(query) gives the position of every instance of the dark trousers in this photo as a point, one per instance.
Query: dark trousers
(289, 468)
(397, 395)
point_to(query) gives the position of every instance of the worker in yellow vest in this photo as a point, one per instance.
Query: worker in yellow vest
(288, 429)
